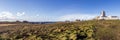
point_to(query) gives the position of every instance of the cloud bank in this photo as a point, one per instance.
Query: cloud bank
(73, 17)
(6, 15)
(9, 16)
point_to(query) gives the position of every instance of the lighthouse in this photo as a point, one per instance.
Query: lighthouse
(104, 17)
(103, 14)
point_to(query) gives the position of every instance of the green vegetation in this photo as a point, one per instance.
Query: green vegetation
(80, 30)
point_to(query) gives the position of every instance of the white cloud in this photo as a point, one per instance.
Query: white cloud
(72, 17)
(20, 14)
(6, 15)
(9, 16)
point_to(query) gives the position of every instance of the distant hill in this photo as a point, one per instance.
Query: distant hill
(27, 22)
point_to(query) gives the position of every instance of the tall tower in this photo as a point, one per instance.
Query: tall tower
(103, 14)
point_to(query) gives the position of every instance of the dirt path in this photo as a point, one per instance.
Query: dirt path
(6, 24)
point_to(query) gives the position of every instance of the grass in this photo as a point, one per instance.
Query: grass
(80, 30)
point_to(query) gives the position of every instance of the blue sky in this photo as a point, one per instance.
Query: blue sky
(56, 10)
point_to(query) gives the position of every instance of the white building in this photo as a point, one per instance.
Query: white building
(104, 17)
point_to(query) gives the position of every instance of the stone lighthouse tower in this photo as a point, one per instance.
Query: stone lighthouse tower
(104, 17)
(103, 14)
